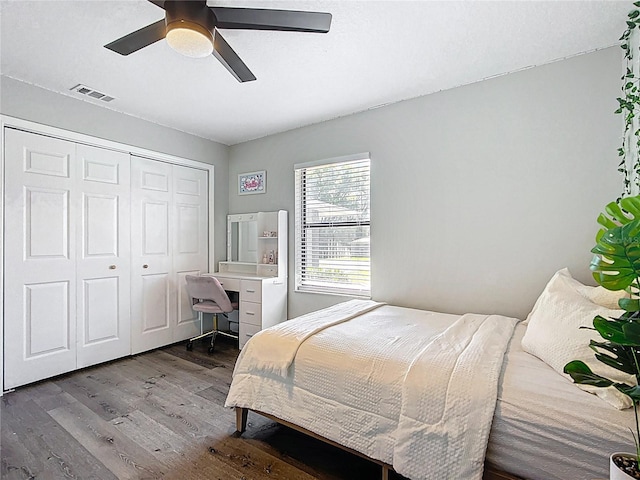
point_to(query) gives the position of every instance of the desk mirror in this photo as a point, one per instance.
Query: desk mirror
(242, 238)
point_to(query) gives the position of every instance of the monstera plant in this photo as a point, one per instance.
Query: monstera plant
(616, 266)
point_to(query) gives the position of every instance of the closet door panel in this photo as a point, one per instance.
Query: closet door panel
(47, 319)
(190, 239)
(153, 310)
(156, 292)
(100, 224)
(155, 228)
(188, 229)
(47, 223)
(103, 267)
(101, 302)
(39, 257)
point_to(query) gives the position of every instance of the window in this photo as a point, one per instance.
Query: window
(332, 226)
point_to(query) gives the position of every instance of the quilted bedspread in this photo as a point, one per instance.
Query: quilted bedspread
(411, 388)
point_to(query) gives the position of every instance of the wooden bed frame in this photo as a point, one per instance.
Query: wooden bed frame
(490, 473)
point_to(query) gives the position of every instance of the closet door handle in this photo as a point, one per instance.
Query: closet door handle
(145, 266)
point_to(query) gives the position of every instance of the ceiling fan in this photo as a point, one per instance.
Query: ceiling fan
(191, 28)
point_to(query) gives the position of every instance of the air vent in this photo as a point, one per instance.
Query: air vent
(90, 92)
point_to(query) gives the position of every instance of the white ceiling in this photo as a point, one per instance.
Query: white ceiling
(377, 52)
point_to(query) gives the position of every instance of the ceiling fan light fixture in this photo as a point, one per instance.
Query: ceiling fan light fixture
(191, 28)
(190, 39)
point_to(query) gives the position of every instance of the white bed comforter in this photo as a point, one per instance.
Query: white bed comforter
(273, 350)
(412, 388)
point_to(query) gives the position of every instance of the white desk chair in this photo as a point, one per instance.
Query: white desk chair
(208, 296)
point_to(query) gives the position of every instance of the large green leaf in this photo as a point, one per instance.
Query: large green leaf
(632, 391)
(619, 214)
(582, 374)
(623, 330)
(610, 329)
(631, 332)
(629, 304)
(625, 211)
(619, 357)
(616, 264)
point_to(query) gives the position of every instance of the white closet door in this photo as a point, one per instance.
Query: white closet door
(153, 304)
(40, 276)
(169, 218)
(190, 241)
(103, 268)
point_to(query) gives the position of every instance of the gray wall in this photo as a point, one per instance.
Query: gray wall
(25, 101)
(479, 193)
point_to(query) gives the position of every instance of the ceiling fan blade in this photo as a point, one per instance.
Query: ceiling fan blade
(281, 20)
(139, 39)
(159, 3)
(230, 59)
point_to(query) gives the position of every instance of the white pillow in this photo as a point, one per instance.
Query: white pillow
(553, 334)
(598, 295)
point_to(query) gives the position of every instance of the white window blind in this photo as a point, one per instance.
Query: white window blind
(332, 226)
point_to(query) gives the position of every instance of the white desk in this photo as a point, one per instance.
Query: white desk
(263, 301)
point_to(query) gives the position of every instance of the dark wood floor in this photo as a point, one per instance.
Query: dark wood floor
(156, 415)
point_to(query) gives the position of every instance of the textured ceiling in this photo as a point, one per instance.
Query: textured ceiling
(377, 52)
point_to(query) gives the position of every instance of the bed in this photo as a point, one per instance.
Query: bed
(361, 375)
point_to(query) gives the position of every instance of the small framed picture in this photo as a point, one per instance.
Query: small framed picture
(252, 182)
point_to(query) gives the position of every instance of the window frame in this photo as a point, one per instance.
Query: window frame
(302, 226)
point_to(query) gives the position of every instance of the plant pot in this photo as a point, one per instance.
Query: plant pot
(615, 473)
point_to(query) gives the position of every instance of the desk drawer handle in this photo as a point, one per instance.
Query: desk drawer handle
(112, 267)
(249, 335)
(250, 313)
(249, 290)
(145, 266)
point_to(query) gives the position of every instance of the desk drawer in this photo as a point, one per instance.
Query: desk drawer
(246, 332)
(231, 284)
(251, 291)
(251, 313)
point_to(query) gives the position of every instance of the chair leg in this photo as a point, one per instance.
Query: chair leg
(202, 334)
(214, 334)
